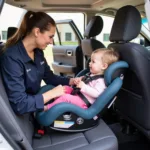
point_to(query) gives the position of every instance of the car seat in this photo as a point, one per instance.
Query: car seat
(79, 119)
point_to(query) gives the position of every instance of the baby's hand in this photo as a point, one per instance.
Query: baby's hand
(80, 84)
(77, 80)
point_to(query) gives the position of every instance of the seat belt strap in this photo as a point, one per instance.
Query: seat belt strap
(84, 99)
(86, 79)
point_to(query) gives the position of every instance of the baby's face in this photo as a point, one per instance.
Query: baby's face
(96, 65)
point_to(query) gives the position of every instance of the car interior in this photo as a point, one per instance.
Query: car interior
(123, 125)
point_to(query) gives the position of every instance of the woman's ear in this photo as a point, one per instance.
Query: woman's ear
(36, 32)
(105, 66)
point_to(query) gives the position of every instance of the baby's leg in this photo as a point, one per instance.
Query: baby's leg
(68, 89)
(73, 99)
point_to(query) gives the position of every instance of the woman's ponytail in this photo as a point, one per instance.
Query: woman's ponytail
(21, 32)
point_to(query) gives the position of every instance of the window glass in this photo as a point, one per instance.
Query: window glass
(4, 35)
(145, 23)
(66, 34)
(105, 37)
(78, 19)
(56, 38)
(140, 39)
(13, 15)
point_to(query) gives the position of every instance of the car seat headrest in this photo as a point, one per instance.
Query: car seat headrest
(127, 24)
(94, 27)
(115, 70)
(11, 31)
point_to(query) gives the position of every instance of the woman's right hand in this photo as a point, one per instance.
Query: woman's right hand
(55, 92)
(58, 91)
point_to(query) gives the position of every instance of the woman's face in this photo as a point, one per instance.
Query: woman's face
(45, 38)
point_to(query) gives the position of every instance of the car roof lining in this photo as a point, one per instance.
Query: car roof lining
(75, 6)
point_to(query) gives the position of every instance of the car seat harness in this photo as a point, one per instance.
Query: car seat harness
(86, 79)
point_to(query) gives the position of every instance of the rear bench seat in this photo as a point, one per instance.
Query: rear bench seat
(21, 129)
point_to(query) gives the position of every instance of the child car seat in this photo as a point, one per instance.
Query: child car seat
(71, 118)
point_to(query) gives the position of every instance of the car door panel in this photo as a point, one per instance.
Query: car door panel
(67, 52)
(65, 60)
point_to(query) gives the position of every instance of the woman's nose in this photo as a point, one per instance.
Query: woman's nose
(51, 41)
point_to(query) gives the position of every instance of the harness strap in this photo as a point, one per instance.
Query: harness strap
(86, 79)
(84, 99)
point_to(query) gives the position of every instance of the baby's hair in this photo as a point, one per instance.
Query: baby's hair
(109, 55)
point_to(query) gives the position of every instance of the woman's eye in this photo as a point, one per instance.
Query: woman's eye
(51, 36)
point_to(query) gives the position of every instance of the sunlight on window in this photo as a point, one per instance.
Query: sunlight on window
(10, 17)
(78, 19)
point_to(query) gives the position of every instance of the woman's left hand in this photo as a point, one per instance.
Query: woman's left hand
(75, 81)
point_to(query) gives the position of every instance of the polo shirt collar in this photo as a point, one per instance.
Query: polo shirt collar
(23, 52)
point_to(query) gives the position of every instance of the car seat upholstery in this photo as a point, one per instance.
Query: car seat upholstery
(133, 100)
(93, 28)
(21, 129)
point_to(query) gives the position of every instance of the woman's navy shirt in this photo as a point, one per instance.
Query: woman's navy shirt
(22, 78)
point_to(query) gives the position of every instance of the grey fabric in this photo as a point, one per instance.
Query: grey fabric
(87, 47)
(18, 127)
(99, 138)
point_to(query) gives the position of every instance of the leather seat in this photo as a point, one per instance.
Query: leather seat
(89, 43)
(133, 101)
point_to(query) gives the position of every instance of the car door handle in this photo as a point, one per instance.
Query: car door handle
(69, 53)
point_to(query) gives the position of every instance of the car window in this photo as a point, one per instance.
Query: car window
(15, 14)
(140, 39)
(66, 34)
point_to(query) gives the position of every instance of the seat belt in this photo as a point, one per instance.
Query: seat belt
(86, 79)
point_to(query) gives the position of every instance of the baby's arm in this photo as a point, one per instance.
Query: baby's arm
(77, 80)
(93, 91)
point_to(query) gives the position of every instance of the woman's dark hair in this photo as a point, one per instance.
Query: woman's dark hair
(31, 19)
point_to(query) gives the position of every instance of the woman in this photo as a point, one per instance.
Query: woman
(23, 65)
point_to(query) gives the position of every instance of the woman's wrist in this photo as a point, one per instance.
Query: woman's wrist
(71, 81)
(47, 96)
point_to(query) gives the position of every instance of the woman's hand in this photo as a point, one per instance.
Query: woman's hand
(55, 92)
(58, 91)
(75, 81)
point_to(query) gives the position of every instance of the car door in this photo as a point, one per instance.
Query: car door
(67, 52)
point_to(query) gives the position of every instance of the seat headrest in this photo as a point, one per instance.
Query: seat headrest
(94, 27)
(115, 70)
(127, 24)
(11, 31)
